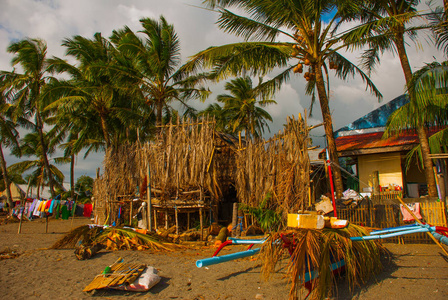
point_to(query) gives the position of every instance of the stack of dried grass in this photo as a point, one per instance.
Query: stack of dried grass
(277, 169)
(182, 166)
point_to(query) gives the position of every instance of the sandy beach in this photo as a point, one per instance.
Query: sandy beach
(413, 272)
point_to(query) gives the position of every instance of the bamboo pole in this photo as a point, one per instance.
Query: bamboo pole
(420, 222)
(166, 218)
(148, 197)
(130, 212)
(155, 219)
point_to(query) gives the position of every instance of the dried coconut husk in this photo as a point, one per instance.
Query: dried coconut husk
(313, 251)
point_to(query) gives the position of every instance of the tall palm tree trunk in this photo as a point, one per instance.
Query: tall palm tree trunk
(328, 125)
(39, 124)
(6, 178)
(159, 112)
(105, 130)
(421, 131)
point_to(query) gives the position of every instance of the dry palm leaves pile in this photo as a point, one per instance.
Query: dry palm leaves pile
(88, 240)
(317, 250)
(8, 253)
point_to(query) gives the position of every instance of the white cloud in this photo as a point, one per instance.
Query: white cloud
(54, 20)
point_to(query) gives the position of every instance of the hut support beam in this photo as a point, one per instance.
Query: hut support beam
(166, 219)
(148, 196)
(155, 220)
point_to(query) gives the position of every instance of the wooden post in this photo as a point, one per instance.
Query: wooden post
(23, 203)
(166, 218)
(177, 220)
(21, 216)
(200, 221)
(155, 219)
(130, 212)
(46, 222)
(234, 217)
(148, 197)
(376, 183)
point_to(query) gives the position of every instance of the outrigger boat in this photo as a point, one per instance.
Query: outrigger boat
(336, 266)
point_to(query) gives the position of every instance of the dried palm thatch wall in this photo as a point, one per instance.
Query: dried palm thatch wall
(183, 167)
(278, 168)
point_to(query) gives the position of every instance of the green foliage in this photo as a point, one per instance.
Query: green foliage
(267, 219)
(84, 187)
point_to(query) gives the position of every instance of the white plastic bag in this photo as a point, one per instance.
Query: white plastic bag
(144, 282)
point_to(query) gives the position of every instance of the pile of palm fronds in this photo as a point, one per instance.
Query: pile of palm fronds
(127, 239)
(80, 235)
(317, 250)
(112, 238)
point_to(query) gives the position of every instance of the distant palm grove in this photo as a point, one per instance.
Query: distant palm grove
(113, 90)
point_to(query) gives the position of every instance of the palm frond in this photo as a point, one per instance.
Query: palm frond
(315, 250)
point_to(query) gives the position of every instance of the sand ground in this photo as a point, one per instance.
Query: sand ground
(414, 271)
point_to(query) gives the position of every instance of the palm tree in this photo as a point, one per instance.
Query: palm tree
(218, 113)
(26, 89)
(430, 85)
(312, 45)
(439, 22)
(243, 107)
(157, 58)
(8, 138)
(386, 24)
(97, 103)
(30, 146)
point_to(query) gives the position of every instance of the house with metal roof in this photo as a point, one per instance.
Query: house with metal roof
(379, 163)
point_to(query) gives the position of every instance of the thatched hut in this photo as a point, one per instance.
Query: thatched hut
(274, 174)
(191, 176)
(186, 170)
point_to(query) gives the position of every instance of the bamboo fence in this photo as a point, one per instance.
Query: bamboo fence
(384, 216)
(277, 169)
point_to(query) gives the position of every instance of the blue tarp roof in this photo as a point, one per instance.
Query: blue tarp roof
(377, 117)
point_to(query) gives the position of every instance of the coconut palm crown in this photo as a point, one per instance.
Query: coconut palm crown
(385, 25)
(289, 35)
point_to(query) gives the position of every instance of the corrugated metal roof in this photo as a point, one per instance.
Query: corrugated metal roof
(373, 140)
(374, 119)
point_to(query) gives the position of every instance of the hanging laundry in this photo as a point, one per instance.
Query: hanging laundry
(65, 212)
(50, 210)
(87, 210)
(414, 207)
(47, 205)
(36, 208)
(32, 207)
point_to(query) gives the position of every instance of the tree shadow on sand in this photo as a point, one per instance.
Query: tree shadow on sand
(343, 292)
